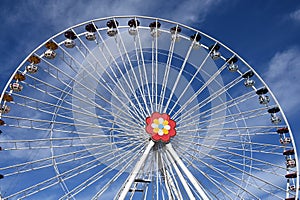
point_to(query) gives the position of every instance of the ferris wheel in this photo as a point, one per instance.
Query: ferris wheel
(135, 107)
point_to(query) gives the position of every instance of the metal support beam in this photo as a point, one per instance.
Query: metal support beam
(190, 176)
(135, 171)
(182, 179)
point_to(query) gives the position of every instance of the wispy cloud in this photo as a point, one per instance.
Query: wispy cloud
(295, 15)
(57, 13)
(190, 11)
(282, 76)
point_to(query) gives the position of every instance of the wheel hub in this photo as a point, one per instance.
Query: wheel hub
(161, 127)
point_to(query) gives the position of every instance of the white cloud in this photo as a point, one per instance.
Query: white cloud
(283, 78)
(191, 10)
(295, 15)
(57, 13)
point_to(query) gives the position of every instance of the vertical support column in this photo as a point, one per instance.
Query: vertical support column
(135, 171)
(187, 172)
(182, 179)
(173, 186)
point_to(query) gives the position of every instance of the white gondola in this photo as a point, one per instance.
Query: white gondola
(133, 31)
(195, 39)
(133, 24)
(249, 82)
(71, 36)
(285, 141)
(215, 54)
(154, 29)
(5, 109)
(112, 27)
(112, 32)
(292, 188)
(50, 54)
(16, 87)
(247, 75)
(175, 33)
(90, 36)
(69, 43)
(275, 119)
(32, 69)
(175, 37)
(155, 32)
(196, 45)
(264, 99)
(291, 163)
(233, 67)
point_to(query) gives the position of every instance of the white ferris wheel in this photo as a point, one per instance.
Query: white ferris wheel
(135, 107)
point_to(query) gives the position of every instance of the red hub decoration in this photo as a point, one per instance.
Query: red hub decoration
(160, 127)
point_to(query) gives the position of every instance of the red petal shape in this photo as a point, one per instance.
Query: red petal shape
(172, 123)
(165, 138)
(149, 129)
(155, 115)
(172, 132)
(165, 116)
(148, 120)
(156, 137)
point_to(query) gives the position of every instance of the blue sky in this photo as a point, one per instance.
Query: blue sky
(264, 33)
